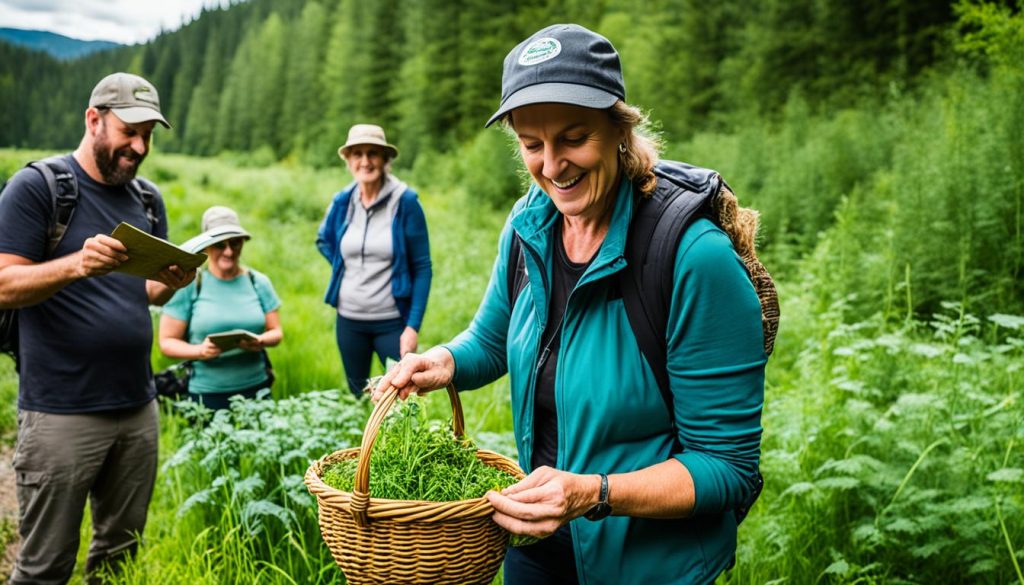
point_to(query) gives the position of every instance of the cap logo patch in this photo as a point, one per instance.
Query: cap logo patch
(143, 94)
(539, 51)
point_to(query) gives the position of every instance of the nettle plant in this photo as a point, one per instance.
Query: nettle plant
(252, 457)
(911, 450)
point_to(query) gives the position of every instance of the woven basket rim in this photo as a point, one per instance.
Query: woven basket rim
(353, 452)
(442, 542)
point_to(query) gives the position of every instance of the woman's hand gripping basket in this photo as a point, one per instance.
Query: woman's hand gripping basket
(402, 541)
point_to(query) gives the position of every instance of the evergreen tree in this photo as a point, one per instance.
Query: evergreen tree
(341, 74)
(201, 122)
(376, 62)
(428, 82)
(176, 99)
(303, 99)
(264, 82)
(429, 71)
(487, 32)
(235, 115)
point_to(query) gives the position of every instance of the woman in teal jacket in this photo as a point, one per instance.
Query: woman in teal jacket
(626, 490)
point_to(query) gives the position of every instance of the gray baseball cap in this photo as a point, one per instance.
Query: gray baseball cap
(563, 63)
(130, 97)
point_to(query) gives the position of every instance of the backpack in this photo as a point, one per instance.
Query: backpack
(63, 187)
(683, 194)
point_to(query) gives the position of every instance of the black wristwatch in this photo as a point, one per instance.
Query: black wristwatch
(602, 508)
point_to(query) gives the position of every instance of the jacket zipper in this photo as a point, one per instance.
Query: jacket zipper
(366, 230)
(542, 353)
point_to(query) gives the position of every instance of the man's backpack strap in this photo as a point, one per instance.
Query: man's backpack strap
(63, 187)
(146, 192)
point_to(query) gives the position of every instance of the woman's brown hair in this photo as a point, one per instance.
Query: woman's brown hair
(639, 154)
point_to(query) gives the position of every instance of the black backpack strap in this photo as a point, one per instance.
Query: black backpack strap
(654, 235)
(199, 285)
(658, 224)
(63, 188)
(146, 192)
(268, 365)
(515, 277)
(657, 228)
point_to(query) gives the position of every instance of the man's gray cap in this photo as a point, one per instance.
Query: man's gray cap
(132, 99)
(563, 63)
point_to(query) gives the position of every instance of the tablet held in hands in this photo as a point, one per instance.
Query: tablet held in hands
(226, 340)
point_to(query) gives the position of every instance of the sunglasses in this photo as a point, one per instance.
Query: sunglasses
(235, 243)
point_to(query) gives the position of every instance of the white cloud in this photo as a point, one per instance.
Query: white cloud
(122, 21)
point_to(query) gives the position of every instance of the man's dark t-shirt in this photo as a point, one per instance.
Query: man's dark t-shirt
(86, 348)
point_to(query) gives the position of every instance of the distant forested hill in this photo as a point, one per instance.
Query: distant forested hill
(58, 46)
(290, 76)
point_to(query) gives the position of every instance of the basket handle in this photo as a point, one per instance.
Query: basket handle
(361, 491)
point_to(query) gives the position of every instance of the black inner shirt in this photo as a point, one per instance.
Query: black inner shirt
(564, 275)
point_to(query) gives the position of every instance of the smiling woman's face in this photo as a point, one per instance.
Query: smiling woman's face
(366, 163)
(572, 154)
(225, 257)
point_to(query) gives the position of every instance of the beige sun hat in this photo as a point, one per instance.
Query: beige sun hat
(366, 134)
(219, 223)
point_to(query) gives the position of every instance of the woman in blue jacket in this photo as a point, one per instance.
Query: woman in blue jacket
(626, 486)
(374, 235)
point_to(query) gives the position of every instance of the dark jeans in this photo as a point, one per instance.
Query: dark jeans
(357, 342)
(548, 562)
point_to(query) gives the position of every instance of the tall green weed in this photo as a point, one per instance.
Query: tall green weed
(231, 505)
(892, 452)
(921, 196)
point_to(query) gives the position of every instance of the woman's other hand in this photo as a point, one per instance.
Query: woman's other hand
(208, 350)
(408, 342)
(252, 344)
(418, 373)
(544, 500)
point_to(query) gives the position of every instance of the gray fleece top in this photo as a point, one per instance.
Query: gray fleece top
(365, 293)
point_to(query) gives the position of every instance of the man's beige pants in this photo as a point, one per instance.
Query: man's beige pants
(61, 459)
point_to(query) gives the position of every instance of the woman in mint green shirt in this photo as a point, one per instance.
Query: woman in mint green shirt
(627, 487)
(225, 296)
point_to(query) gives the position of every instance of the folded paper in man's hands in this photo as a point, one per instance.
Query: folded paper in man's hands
(148, 254)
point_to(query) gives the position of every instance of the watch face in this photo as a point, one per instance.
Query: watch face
(598, 512)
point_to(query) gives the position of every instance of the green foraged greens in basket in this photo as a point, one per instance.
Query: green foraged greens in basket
(418, 459)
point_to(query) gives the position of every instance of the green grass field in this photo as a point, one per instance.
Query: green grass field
(892, 448)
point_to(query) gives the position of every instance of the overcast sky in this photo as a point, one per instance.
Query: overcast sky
(121, 21)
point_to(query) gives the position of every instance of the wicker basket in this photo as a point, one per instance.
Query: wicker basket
(402, 541)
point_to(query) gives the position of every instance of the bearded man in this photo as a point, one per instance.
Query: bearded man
(87, 414)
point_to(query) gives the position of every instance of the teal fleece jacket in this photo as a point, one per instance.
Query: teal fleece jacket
(611, 415)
